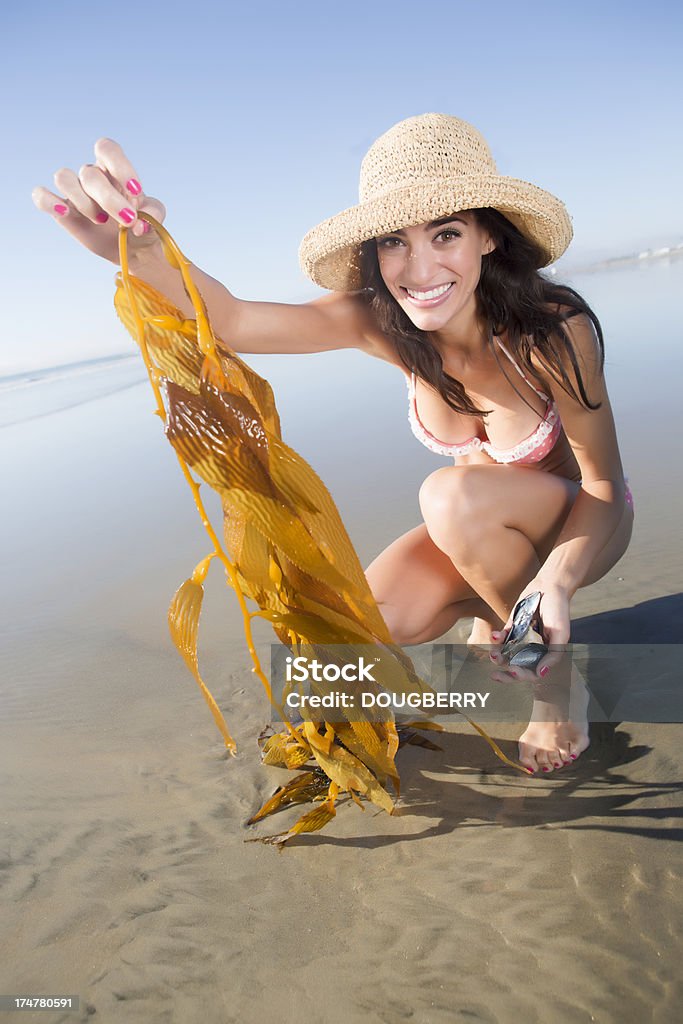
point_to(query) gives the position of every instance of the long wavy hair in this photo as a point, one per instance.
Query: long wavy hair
(512, 296)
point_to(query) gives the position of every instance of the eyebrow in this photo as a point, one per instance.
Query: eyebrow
(433, 224)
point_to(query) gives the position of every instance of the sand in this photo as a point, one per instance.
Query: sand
(126, 876)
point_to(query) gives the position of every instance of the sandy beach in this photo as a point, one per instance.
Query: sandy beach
(488, 897)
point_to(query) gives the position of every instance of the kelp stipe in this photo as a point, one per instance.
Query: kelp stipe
(287, 548)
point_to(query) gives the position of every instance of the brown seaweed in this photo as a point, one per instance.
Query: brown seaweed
(285, 548)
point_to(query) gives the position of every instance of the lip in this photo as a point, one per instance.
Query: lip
(427, 303)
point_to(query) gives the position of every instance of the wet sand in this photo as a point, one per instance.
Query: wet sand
(126, 876)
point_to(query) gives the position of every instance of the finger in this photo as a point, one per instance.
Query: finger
(556, 656)
(498, 639)
(514, 674)
(96, 185)
(68, 182)
(111, 158)
(57, 206)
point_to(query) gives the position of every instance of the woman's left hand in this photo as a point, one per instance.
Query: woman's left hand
(554, 614)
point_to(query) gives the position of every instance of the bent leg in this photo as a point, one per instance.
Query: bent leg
(498, 524)
(420, 592)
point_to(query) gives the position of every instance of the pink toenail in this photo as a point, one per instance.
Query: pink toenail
(573, 756)
(545, 769)
(557, 764)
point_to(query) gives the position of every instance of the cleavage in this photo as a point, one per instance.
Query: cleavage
(513, 420)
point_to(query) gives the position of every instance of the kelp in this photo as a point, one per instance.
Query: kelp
(285, 548)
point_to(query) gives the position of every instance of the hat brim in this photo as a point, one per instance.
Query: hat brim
(329, 253)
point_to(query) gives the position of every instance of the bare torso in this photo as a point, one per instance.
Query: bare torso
(509, 421)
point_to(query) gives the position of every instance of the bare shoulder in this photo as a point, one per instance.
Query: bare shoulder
(586, 349)
(350, 317)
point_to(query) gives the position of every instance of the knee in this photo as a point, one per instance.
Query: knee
(453, 498)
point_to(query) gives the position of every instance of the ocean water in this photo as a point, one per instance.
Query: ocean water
(52, 389)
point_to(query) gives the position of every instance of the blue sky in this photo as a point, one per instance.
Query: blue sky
(250, 120)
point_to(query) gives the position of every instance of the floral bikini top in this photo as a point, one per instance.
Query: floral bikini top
(532, 449)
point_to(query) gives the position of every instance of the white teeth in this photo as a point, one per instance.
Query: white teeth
(430, 294)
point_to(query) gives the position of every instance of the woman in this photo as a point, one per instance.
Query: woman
(436, 272)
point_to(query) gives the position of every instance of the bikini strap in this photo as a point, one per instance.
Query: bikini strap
(541, 394)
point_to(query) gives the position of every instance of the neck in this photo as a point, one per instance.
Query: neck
(468, 340)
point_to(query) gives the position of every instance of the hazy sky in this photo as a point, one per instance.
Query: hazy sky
(250, 121)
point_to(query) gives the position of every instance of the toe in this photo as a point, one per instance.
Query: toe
(527, 756)
(545, 760)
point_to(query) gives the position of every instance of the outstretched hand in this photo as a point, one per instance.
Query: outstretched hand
(99, 199)
(555, 616)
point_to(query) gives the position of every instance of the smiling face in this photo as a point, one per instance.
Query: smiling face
(432, 270)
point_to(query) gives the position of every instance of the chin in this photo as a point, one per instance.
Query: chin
(427, 319)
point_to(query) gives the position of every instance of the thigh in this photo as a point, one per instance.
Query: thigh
(413, 582)
(538, 507)
(461, 504)
(535, 503)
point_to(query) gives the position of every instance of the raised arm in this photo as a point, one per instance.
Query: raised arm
(339, 320)
(108, 193)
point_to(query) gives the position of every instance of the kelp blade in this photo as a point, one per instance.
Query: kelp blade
(289, 551)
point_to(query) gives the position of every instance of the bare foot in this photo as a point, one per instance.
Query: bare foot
(558, 730)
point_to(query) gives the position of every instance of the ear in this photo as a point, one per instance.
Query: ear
(489, 246)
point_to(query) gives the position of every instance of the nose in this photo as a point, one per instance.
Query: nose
(421, 266)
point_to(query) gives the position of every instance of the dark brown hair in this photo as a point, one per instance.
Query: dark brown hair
(512, 296)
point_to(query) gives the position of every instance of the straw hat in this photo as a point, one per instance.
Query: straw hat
(422, 169)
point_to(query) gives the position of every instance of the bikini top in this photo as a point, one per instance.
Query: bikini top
(532, 449)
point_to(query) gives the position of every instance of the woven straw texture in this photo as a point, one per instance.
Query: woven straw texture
(420, 170)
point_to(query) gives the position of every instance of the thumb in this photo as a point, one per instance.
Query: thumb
(152, 206)
(556, 639)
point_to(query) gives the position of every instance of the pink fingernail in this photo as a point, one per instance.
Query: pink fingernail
(145, 227)
(544, 671)
(127, 215)
(513, 674)
(61, 209)
(495, 635)
(134, 187)
(102, 218)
